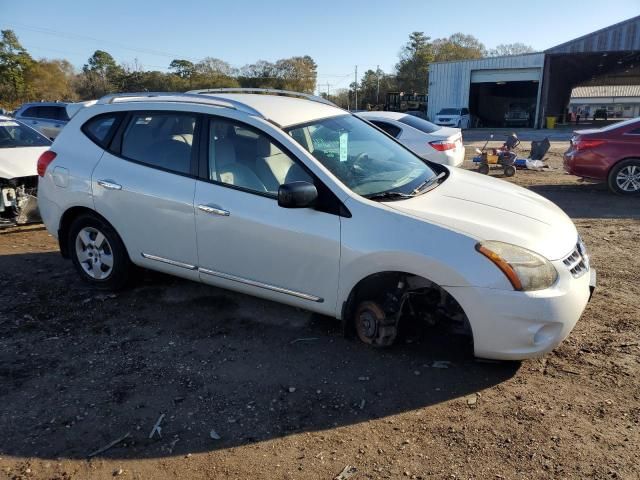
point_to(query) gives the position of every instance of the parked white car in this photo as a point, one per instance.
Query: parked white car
(298, 201)
(453, 117)
(434, 143)
(20, 148)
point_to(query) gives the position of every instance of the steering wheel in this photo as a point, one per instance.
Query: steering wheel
(355, 165)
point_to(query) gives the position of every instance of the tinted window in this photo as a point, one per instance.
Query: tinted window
(13, 134)
(419, 123)
(449, 111)
(30, 112)
(243, 157)
(99, 128)
(49, 112)
(387, 127)
(161, 140)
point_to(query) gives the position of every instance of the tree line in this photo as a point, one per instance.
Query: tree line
(24, 79)
(411, 73)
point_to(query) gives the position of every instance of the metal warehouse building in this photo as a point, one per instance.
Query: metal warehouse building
(540, 82)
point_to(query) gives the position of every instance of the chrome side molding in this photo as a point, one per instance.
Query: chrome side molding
(266, 286)
(175, 263)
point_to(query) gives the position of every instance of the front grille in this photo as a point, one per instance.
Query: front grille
(577, 261)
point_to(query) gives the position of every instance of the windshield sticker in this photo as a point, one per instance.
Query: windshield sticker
(344, 142)
(9, 123)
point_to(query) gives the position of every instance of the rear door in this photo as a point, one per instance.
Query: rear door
(144, 186)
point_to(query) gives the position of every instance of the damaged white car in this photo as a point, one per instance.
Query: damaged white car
(20, 148)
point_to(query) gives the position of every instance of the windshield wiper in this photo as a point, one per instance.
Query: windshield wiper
(433, 181)
(388, 196)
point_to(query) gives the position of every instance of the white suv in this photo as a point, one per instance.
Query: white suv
(288, 197)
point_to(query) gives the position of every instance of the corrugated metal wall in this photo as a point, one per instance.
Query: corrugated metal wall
(449, 82)
(619, 37)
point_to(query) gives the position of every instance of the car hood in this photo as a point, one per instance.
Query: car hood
(20, 161)
(486, 208)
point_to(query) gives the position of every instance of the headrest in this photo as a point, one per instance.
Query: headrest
(225, 152)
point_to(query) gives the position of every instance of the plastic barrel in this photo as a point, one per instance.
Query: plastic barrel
(551, 122)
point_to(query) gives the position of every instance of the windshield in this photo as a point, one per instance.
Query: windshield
(449, 111)
(13, 134)
(363, 158)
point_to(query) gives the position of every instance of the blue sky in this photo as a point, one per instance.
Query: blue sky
(337, 34)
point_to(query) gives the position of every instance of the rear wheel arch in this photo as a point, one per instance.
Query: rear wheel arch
(67, 220)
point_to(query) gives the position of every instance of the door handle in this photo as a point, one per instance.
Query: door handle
(34, 122)
(214, 210)
(109, 185)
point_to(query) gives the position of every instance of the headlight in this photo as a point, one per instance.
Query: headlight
(526, 270)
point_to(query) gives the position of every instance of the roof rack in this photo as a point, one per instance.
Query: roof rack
(266, 91)
(178, 97)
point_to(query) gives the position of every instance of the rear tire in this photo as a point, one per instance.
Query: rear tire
(98, 254)
(483, 169)
(624, 178)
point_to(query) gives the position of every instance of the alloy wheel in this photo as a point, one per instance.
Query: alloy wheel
(94, 253)
(628, 178)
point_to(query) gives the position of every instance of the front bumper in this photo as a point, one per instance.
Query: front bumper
(511, 325)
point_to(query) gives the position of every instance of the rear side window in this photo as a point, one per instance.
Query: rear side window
(100, 128)
(30, 112)
(160, 139)
(419, 123)
(387, 127)
(49, 112)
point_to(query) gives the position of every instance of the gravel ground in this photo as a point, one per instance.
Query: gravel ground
(251, 389)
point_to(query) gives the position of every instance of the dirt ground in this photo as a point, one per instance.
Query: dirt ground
(251, 389)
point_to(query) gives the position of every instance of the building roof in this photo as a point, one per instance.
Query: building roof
(599, 91)
(622, 36)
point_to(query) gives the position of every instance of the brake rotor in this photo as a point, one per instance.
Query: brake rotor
(373, 326)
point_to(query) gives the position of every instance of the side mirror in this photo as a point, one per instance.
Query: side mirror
(297, 195)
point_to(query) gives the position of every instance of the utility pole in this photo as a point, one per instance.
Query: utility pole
(328, 85)
(356, 88)
(378, 88)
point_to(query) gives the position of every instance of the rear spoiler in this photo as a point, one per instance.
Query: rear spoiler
(73, 108)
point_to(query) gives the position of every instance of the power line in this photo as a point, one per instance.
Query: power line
(56, 33)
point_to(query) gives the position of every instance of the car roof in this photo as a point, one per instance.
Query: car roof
(285, 111)
(280, 107)
(387, 115)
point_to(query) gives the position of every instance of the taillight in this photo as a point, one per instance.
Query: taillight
(585, 144)
(43, 162)
(442, 145)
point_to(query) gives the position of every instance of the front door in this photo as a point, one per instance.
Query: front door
(245, 240)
